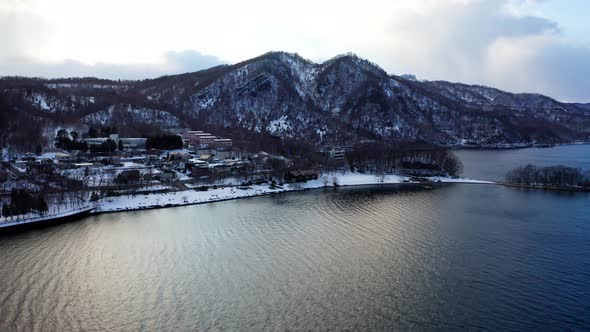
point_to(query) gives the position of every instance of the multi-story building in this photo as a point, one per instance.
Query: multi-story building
(224, 143)
(207, 140)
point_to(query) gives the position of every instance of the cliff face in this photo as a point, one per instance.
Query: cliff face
(341, 101)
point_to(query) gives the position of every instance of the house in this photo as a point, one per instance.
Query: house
(198, 171)
(167, 176)
(63, 157)
(206, 157)
(226, 154)
(179, 156)
(221, 169)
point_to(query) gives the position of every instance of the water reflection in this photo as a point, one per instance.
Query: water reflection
(460, 256)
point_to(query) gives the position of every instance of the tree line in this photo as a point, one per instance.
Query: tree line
(22, 202)
(69, 141)
(383, 158)
(550, 176)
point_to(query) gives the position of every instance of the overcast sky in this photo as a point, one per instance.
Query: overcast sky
(519, 45)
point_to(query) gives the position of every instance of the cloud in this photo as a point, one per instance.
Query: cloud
(509, 44)
(171, 63)
(541, 63)
(22, 32)
(496, 43)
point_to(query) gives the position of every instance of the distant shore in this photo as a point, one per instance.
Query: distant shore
(549, 188)
(514, 146)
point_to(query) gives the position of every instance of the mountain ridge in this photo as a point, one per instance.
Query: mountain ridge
(340, 101)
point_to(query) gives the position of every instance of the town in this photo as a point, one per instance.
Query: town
(81, 172)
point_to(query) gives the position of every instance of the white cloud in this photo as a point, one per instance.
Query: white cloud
(542, 64)
(170, 63)
(505, 43)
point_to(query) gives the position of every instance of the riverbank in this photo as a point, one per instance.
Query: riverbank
(191, 197)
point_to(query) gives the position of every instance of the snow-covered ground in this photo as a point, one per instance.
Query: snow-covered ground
(106, 175)
(138, 202)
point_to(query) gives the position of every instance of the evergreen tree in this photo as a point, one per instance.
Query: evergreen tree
(5, 210)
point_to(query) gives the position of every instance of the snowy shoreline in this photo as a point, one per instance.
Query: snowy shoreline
(192, 197)
(8, 224)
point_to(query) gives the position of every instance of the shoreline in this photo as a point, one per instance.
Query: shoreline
(191, 196)
(516, 146)
(151, 201)
(547, 188)
(45, 221)
(139, 202)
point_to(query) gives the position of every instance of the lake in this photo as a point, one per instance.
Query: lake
(478, 257)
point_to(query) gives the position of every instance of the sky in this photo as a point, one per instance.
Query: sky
(540, 46)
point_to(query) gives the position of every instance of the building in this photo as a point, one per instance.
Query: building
(97, 141)
(63, 157)
(201, 139)
(198, 138)
(225, 154)
(223, 143)
(206, 140)
(206, 158)
(334, 153)
(198, 168)
(199, 171)
(129, 143)
(167, 176)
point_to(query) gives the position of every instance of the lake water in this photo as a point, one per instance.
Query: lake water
(494, 164)
(367, 258)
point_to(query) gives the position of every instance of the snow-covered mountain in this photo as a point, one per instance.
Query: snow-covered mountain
(341, 101)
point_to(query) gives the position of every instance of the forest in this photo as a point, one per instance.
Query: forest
(408, 158)
(549, 176)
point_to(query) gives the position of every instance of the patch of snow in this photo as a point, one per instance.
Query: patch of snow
(280, 127)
